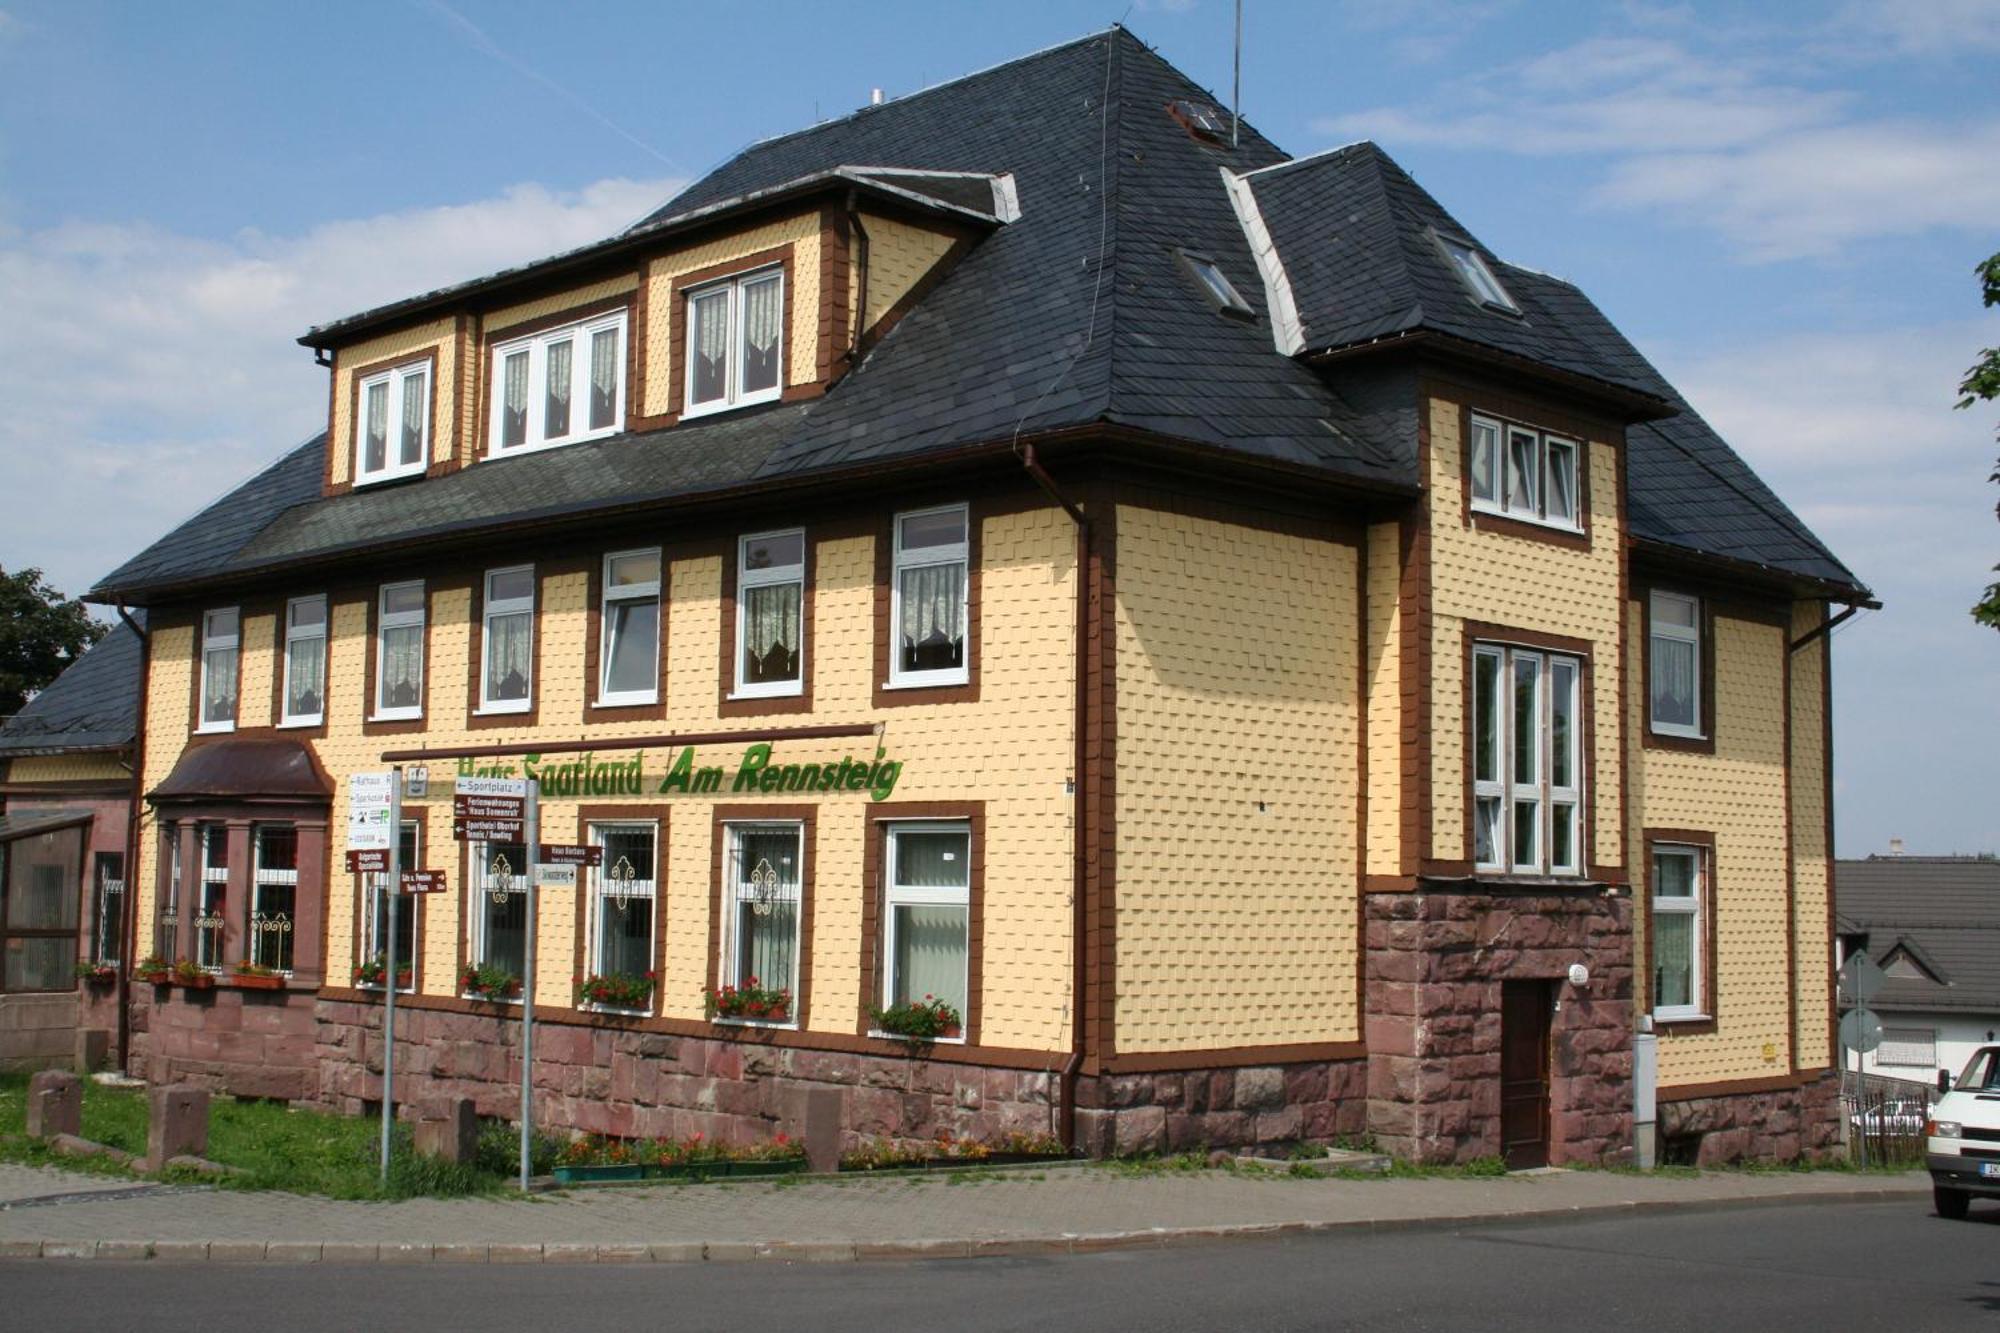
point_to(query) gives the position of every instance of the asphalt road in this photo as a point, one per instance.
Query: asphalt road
(1835, 1266)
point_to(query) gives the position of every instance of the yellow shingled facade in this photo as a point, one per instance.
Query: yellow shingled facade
(1812, 866)
(899, 255)
(105, 767)
(1237, 785)
(1383, 663)
(433, 336)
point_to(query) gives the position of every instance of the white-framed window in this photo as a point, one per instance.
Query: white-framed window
(507, 641)
(220, 640)
(108, 947)
(927, 914)
(763, 894)
(629, 653)
(498, 887)
(393, 436)
(1527, 780)
(210, 926)
(167, 913)
(770, 609)
(1674, 662)
(560, 386)
(1523, 473)
(622, 898)
(305, 662)
(927, 614)
(1478, 277)
(274, 892)
(1680, 931)
(399, 652)
(1916, 1047)
(736, 342)
(381, 902)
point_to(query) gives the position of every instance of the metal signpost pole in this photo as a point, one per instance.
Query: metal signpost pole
(534, 850)
(391, 890)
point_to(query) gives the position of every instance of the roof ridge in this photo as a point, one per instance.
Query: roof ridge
(1309, 158)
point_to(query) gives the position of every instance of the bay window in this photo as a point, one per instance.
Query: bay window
(559, 386)
(1680, 932)
(305, 662)
(770, 604)
(735, 342)
(763, 890)
(1673, 648)
(167, 912)
(507, 641)
(928, 597)
(629, 670)
(395, 426)
(381, 902)
(219, 649)
(210, 926)
(1523, 473)
(274, 893)
(1526, 761)
(926, 914)
(622, 897)
(399, 652)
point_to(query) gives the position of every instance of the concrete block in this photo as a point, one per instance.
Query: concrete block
(236, 1251)
(55, 1104)
(127, 1250)
(293, 1252)
(449, 1130)
(179, 1124)
(93, 1050)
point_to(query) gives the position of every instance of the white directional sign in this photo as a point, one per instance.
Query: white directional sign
(514, 787)
(554, 877)
(368, 800)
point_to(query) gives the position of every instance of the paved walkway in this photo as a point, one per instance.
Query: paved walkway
(55, 1214)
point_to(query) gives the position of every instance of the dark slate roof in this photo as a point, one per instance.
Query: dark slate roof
(263, 768)
(1945, 910)
(93, 705)
(1076, 313)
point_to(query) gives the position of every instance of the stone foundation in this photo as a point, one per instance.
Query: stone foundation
(1782, 1125)
(1257, 1105)
(251, 1043)
(1436, 960)
(631, 1083)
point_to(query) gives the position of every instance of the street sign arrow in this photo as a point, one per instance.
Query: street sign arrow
(423, 881)
(572, 854)
(367, 861)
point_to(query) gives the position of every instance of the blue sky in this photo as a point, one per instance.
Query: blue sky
(1781, 204)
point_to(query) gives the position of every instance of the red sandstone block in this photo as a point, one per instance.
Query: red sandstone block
(724, 1061)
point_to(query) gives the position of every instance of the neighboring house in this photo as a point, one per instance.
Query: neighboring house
(67, 782)
(1271, 667)
(1933, 924)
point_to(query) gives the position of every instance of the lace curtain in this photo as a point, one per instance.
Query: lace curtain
(555, 415)
(514, 427)
(218, 696)
(1673, 681)
(771, 633)
(767, 875)
(761, 311)
(711, 346)
(377, 433)
(303, 682)
(413, 420)
(933, 617)
(507, 664)
(603, 377)
(402, 666)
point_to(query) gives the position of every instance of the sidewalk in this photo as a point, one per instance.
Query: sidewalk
(56, 1214)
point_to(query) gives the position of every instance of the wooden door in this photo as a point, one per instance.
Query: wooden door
(1524, 1073)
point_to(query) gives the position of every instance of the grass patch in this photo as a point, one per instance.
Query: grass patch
(274, 1147)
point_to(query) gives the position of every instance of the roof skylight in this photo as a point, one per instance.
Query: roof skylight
(1200, 119)
(1472, 270)
(1215, 285)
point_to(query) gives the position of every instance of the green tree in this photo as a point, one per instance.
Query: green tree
(1982, 384)
(41, 632)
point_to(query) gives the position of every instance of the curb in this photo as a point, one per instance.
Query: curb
(809, 1252)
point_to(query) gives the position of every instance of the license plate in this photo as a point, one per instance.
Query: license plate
(1989, 1168)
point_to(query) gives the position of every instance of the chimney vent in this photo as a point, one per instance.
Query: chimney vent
(1895, 846)
(875, 97)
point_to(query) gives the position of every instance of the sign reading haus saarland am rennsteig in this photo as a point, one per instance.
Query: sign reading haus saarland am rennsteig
(754, 774)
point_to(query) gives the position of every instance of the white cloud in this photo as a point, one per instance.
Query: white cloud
(1924, 27)
(145, 370)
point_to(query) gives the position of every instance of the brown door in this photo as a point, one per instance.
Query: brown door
(1524, 1073)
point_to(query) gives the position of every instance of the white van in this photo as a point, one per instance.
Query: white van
(1962, 1144)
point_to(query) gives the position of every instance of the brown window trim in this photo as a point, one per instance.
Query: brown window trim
(780, 256)
(728, 705)
(301, 730)
(1484, 520)
(1705, 667)
(483, 381)
(1476, 632)
(807, 817)
(195, 729)
(73, 934)
(1703, 840)
(593, 645)
(885, 696)
(656, 814)
(874, 889)
(354, 377)
(420, 815)
(397, 726)
(475, 654)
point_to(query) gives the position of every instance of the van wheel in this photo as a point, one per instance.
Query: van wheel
(1951, 1204)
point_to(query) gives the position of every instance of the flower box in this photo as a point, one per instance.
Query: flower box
(206, 981)
(96, 975)
(163, 977)
(510, 991)
(255, 981)
(585, 1175)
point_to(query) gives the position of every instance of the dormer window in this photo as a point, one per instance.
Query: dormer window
(735, 342)
(559, 386)
(1474, 273)
(395, 423)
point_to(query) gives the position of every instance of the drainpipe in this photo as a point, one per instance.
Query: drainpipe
(1078, 915)
(861, 274)
(129, 927)
(1827, 626)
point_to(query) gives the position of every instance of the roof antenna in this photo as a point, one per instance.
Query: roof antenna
(1236, 93)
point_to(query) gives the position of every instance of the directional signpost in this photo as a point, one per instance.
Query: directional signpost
(506, 810)
(423, 881)
(375, 846)
(1861, 980)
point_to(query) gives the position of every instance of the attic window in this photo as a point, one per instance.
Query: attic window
(1474, 273)
(1214, 285)
(1201, 120)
